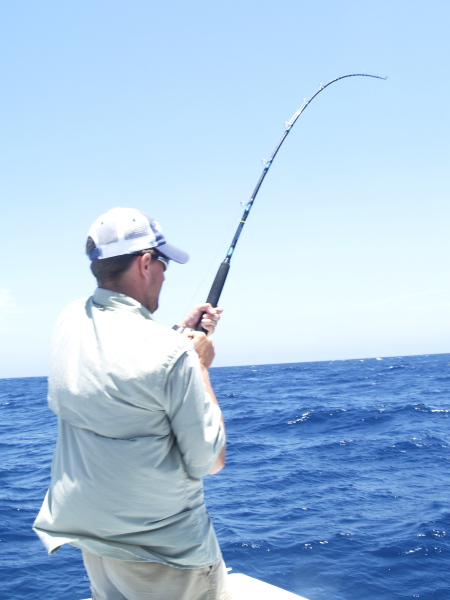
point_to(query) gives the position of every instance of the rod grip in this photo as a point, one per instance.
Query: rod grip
(216, 289)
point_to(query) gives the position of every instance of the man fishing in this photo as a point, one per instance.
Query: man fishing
(139, 426)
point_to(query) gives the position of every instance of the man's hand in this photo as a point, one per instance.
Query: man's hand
(203, 346)
(210, 317)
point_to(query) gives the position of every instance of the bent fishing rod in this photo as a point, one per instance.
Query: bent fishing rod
(219, 280)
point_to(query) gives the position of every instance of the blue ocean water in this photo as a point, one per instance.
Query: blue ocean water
(337, 485)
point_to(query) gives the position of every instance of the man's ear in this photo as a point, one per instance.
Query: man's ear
(144, 264)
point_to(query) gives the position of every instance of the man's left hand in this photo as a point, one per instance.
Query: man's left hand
(210, 317)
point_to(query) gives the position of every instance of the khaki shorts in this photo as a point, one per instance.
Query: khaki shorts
(113, 579)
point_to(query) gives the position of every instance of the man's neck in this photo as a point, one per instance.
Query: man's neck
(123, 287)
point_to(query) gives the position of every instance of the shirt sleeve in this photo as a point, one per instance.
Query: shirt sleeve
(195, 419)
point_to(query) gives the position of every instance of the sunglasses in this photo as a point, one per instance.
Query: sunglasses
(155, 256)
(165, 261)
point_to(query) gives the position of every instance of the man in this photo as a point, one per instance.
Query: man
(139, 426)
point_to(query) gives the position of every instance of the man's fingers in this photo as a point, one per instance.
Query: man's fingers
(204, 348)
(209, 323)
(209, 310)
(208, 316)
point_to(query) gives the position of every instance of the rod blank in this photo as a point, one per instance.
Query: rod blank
(219, 280)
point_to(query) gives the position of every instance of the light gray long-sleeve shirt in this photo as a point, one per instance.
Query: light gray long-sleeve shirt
(137, 432)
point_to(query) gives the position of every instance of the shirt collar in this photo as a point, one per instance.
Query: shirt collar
(109, 299)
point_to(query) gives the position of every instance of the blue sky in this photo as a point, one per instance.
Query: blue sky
(171, 107)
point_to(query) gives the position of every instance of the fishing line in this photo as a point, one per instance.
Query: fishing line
(419, 100)
(219, 281)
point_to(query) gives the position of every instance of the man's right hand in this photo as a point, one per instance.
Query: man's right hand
(203, 346)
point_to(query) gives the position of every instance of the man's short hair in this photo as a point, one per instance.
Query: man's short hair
(109, 269)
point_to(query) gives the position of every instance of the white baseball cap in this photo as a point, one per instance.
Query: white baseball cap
(127, 230)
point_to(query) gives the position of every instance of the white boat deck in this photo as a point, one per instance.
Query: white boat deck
(244, 587)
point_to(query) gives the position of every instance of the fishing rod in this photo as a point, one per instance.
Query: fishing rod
(219, 280)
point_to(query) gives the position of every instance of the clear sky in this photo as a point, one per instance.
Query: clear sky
(170, 107)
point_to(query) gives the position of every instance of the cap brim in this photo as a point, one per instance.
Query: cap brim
(174, 253)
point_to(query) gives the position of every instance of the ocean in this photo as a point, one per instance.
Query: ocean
(337, 484)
